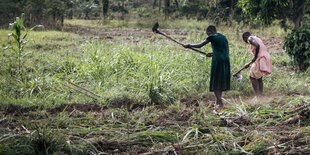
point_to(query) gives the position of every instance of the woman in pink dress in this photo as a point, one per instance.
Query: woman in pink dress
(261, 63)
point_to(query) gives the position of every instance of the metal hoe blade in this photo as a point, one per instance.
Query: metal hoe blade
(239, 76)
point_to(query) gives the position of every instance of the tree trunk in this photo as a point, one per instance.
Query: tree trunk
(167, 8)
(62, 20)
(123, 10)
(177, 3)
(105, 8)
(54, 21)
(86, 15)
(159, 6)
(300, 12)
(167, 3)
(232, 12)
(154, 4)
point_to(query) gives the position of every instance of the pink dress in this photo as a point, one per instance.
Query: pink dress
(262, 66)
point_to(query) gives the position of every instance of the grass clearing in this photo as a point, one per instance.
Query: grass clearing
(154, 94)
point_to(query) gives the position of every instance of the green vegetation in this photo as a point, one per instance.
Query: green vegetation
(268, 10)
(297, 45)
(105, 88)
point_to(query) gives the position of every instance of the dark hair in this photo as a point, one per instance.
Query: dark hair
(211, 28)
(246, 34)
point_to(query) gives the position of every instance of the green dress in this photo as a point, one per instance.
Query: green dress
(220, 68)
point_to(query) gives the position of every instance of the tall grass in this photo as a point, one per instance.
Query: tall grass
(148, 72)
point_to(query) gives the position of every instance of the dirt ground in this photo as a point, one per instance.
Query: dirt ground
(117, 34)
(282, 134)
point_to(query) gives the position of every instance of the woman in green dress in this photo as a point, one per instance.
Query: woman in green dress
(220, 68)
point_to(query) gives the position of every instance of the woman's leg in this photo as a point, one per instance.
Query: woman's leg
(255, 85)
(218, 95)
(260, 85)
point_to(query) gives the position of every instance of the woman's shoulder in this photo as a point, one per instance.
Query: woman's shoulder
(257, 39)
(254, 37)
(216, 35)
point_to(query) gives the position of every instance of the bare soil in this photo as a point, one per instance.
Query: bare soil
(112, 34)
(118, 34)
(274, 43)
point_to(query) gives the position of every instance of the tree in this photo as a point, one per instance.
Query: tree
(88, 7)
(154, 4)
(176, 3)
(56, 9)
(105, 5)
(85, 8)
(167, 8)
(159, 6)
(268, 10)
(194, 8)
(223, 11)
(123, 12)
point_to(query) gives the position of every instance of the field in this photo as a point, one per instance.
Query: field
(115, 87)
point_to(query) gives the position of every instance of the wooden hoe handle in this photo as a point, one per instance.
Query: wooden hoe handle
(157, 31)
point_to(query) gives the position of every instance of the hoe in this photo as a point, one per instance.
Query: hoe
(238, 74)
(155, 30)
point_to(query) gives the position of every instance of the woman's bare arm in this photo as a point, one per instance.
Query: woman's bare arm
(254, 43)
(197, 45)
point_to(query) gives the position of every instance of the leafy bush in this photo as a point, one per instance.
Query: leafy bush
(297, 46)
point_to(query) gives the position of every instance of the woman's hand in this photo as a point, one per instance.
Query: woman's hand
(209, 54)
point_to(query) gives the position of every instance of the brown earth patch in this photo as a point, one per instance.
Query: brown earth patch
(92, 107)
(107, 33)
(112, 146)
(80, 107)
(190, 102)
(126, 103)
(171, 119)
(274, 43)
(118, 34)
(298, 151)
(17, 110)
(120, 147)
